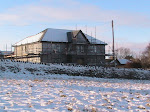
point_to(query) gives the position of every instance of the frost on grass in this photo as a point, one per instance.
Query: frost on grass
(72, 70)
(57, 93)
(24, 90)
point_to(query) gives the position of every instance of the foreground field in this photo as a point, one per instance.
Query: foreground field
(57, 93)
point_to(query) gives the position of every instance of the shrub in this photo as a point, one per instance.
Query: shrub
(32, 70)
(134, 64)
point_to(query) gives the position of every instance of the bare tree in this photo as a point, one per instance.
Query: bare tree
(122, 53)
(145, 59)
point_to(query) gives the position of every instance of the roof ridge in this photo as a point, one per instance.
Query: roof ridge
(59, 29)
(43, 34)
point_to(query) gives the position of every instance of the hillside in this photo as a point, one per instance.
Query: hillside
(76, 70)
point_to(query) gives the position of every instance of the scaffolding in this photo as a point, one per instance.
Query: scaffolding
(59, 52)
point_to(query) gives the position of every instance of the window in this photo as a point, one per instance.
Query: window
(93, 49)
(56, 48)
(80, 49)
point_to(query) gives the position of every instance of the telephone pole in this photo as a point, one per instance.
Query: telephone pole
(113, 45)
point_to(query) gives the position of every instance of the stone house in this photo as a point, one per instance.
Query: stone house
(61, 46)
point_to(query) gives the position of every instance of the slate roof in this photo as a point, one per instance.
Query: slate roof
(123, 61)
(55, 35)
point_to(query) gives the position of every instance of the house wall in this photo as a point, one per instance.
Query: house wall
(95, 49)
(30, 59)
(34, 48)
(61, 53)
(80, 39)
(88, 59)
(54, 52)
(88, 54)
(96, 55)
(28, 52)
(95, 60)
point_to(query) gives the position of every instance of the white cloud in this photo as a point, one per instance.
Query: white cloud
(71, 11)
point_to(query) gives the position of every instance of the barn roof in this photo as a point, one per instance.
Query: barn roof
(55, 35)
(123, 61)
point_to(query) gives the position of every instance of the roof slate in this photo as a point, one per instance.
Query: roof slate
(123, 61)
(56, 35)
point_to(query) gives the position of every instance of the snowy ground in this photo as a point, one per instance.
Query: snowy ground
(57, 93)
(72, 70)
(29, 87)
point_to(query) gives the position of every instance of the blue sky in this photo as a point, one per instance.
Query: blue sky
(22, 18)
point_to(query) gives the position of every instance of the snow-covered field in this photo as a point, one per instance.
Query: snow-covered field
(21, 90)
(57, 93)
(73, 70)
